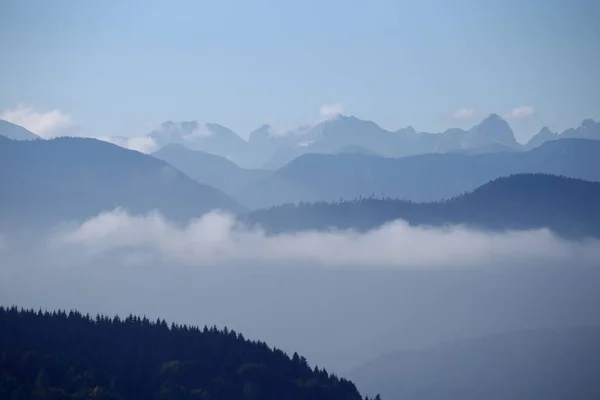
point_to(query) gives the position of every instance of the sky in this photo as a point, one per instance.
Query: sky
(120, 68)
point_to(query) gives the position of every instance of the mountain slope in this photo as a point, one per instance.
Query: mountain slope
(15, 132)
(569, 207)
(46, 181)
(352, 149)
(523, 365)
(210, 169)
(210, 138)
(427, 177)
(263, 143)
(62, 355)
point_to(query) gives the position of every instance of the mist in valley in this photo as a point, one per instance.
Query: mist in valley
(341, 298)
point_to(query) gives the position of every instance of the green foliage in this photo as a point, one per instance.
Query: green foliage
(63, 355)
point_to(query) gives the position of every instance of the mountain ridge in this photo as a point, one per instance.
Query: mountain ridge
(71, 179)
(267, 149)
(210, 169)
(568, 207)
(421, 178)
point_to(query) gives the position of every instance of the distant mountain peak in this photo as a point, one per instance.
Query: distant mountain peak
(344, 120)
(492, 130)
(263, 132)
(544, 135)
(212, 125)
(587, 122)
(209, 137)
(494, 116)
(408, 130)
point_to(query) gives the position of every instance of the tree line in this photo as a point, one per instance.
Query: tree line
(68, 355)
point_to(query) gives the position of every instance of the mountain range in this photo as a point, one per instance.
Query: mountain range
(267, 149)
(421, 178)
(77, 178)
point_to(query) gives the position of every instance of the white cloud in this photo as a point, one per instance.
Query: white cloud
(464, 114)
(200, 132)
(46, 124)
(216, 238)
(143, 144)
(331, 110)
(521, 112)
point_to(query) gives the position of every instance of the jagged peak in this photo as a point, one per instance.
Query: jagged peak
(492, 120)
(493, 117)
(263, 127)
(546, 131)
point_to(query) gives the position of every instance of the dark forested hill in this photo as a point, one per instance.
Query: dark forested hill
(62, 355)
(427, 177)
(523, 365)
(74, 178)
(569, 207)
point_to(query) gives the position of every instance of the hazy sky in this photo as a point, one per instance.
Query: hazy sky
(121, 67)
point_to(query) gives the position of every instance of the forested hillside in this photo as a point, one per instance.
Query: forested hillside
(62, 355)
(569, 207)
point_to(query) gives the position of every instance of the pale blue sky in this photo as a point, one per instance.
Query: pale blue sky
(119, 67)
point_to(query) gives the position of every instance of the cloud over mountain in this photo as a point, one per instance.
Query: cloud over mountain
(521, 112)
(143, 144)
(46, 124)
(463, 114)
(218, 238)
(331, 110)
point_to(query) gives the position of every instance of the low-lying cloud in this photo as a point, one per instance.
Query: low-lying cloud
(46, 124)
(521, 112)
(331, 110)
(219, 238)
(143, 144)
(464, 114)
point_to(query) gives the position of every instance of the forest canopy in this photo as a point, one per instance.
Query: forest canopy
(67, 355)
